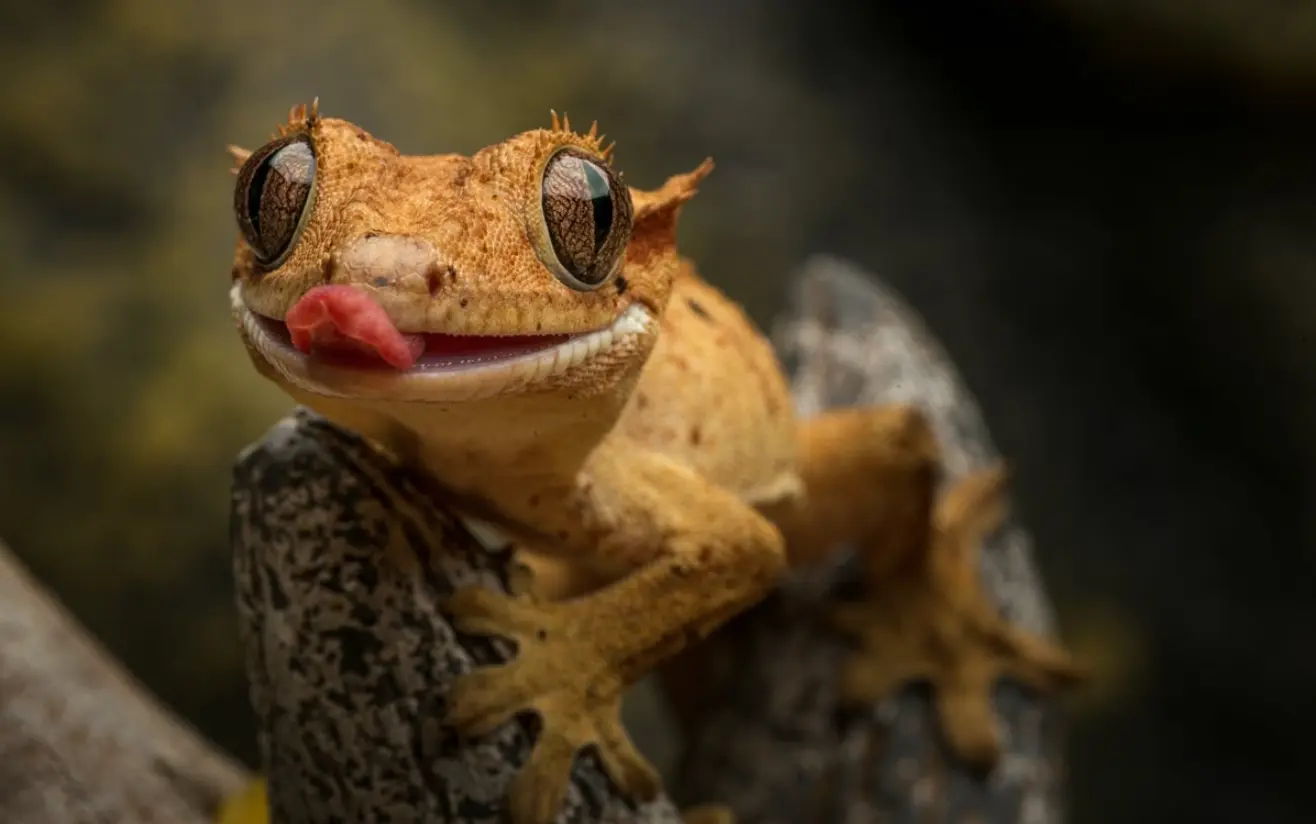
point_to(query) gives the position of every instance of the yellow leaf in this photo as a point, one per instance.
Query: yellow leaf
(247, 807)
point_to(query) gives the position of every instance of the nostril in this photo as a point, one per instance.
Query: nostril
(436, 276)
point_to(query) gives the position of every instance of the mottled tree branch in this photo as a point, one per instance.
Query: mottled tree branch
(80, 740)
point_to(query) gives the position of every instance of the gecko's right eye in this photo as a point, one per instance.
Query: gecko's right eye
(274, 195)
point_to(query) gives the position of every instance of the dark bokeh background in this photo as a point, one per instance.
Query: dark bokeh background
(1105, 209)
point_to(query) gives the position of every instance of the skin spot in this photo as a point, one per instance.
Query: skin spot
(328, 266)
(641, 401)
(370, 235)
(705, 555)
(695, 436)
(534, 500)
(562, 535)
(381, 281)
(622, 285)
(462, 303)
(541, 634)
(698, 310)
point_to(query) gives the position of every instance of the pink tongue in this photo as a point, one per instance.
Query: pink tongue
(341, 320)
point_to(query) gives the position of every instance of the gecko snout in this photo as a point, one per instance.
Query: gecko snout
(397, 263)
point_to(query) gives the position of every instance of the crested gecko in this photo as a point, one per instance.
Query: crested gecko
(519, 327)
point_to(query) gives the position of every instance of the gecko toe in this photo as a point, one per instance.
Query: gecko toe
(481, 611)
(967, 721)
(629, 770)
(482, 700)
(541, 785)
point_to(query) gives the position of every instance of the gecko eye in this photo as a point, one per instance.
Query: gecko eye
(586, 212)
(274, 195)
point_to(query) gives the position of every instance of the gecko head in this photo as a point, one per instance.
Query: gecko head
(366, 275)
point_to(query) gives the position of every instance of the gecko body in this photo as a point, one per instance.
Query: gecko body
(519, 327)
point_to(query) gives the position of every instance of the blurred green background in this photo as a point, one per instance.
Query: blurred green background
(1106, 210)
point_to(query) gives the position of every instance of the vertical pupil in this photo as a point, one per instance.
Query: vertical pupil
(600, 194)
(254, 191)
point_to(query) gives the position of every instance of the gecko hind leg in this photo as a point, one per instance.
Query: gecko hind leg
(871, 475)
(933, 622)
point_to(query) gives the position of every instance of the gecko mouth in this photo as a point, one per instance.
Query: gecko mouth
(341, 343)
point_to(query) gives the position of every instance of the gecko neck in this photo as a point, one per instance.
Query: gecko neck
(492, 448)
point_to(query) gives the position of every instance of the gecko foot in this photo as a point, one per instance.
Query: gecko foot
(934, 623)
(561, 674)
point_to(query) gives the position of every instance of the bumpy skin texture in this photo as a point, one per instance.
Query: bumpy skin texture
(653, 467)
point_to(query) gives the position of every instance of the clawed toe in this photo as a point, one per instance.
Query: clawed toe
(629, 770)
(480, 611)
(482, 700)
(540, 786)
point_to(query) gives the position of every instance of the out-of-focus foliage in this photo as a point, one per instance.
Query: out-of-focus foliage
(1269, 43)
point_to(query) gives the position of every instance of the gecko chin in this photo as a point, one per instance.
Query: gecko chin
(438, 367)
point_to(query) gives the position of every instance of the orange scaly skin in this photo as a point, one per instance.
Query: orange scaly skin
(656, 470)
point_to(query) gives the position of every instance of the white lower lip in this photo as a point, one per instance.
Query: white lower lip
(465, 377)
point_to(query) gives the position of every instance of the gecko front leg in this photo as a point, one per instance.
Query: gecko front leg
(696, 556)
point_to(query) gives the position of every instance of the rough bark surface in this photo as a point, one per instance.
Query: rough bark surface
(774, 746)
(341, 567)
(81, 742)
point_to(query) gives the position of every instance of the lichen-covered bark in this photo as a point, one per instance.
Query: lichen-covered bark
(773, 745)
(80, 741)
(341, 566)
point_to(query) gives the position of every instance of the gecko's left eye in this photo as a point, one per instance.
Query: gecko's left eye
(274, 195)
(586, 212)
